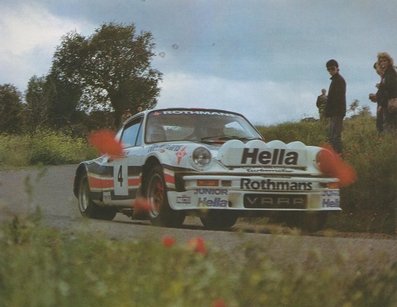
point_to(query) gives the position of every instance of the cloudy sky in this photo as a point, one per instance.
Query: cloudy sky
(263, 58)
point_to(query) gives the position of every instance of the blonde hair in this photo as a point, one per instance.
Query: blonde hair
(385, 55)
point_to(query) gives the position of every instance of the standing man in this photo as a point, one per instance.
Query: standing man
(379, 98)
(335, 108)
(321, 102)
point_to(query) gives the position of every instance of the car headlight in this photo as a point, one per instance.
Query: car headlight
(201, 157)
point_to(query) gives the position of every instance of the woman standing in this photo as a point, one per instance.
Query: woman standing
(389, 86)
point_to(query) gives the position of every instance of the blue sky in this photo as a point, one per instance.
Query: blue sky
(265, 59)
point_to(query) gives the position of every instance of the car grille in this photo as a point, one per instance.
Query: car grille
(266, 201)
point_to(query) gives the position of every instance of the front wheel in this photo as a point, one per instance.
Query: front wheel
(87, 207)
(161, 214)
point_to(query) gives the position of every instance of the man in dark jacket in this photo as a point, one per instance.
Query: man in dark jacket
(335, 108)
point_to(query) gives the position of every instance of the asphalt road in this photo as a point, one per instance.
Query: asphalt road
(50, 188)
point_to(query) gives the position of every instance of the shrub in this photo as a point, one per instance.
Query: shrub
(43, 147)
(14, 150)
(50, 147)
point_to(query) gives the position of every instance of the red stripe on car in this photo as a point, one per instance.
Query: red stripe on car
(169, 179)
(100, 183)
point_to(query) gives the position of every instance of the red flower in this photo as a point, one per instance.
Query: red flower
(168, 241)
(198, 245)
(331, 164)
(104, 141)
(219, 302)
(141, 205)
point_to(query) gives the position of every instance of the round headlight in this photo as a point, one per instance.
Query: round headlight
(201, 157)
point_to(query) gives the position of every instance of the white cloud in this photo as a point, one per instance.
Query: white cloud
(30, 34)
(262, 102)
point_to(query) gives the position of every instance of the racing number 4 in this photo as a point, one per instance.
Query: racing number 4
(120, 176)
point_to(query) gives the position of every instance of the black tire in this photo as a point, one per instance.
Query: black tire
(218, 220)
(161, 214)
(87, 207)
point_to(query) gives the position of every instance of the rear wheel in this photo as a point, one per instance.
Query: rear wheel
(219, 220)
(87, 207)
(161, 214)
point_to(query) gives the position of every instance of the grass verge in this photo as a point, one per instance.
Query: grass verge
(40, 266)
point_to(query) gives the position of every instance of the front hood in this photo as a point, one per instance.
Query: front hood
(234, 155)
(257, 153)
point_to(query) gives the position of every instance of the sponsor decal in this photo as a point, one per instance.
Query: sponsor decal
(194, 112)
(267, 170)
(216, 202)
(107, 197)
(163, 147)
(205, 191)
(270, 185)
(275, 201)
(180, 154)
(330, 199)
(212, 197)
(184, 199)
(265, 157)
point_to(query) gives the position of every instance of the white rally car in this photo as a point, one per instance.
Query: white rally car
(206, 162)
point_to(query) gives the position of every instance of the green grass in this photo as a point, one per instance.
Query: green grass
(45, 267)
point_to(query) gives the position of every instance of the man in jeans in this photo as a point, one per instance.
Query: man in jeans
(335, 109)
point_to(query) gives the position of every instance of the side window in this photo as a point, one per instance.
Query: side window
(131, 132)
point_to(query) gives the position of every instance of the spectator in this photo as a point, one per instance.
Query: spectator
(389, 86)
(126, 114)
(321, 103)
(335, 108)
(380, 99)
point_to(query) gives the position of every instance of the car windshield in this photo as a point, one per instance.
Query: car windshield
(209, 126)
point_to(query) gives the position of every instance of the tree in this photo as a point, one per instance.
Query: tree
(63, 98)
(37, 104)
(112, 68)
(10, 109)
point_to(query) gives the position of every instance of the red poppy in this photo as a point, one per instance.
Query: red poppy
(198, 245)
(104, 141)
(141, 205)
(219, 302)
(332, 164)
(168, 241)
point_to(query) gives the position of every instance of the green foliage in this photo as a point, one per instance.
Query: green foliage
(111, 67)
(10, 109)
(43, 147)
(44, 267)
(37, 105)
(310, 133)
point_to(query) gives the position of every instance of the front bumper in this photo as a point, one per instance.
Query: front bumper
(256, 193)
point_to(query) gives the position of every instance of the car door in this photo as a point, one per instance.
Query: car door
(127, 170)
